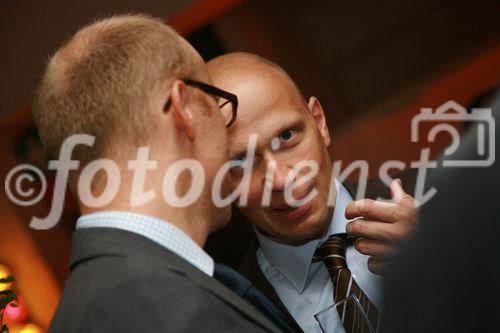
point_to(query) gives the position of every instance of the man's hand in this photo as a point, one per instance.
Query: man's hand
(381, 225)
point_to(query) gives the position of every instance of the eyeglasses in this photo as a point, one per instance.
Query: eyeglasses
(222, 97)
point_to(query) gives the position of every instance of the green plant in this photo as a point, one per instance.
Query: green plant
(6, 297)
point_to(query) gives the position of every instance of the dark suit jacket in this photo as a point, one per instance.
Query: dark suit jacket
(250, 267)
(446, 278)
(123, 282)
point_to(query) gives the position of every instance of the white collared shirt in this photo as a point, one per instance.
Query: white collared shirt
(305, 288)
(159, 231)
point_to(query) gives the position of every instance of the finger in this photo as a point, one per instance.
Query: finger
(380, 231)
(372, 247)
(371, 209)
(375, 265)
(397, 191)
(400, 196)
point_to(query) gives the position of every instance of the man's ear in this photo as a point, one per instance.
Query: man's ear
(319, 116)
(181, 114)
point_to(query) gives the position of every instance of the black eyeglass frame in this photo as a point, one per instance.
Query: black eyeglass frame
(214, 91)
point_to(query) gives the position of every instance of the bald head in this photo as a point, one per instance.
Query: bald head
(235, 66)
(241, 61)
(259, 84)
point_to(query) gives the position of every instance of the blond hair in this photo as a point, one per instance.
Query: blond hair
(101, 82)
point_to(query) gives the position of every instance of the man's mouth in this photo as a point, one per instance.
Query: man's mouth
(291, 212)
(288, 212)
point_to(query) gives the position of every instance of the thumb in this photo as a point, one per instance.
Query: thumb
(397, 191)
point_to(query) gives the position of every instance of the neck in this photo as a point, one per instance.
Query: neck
(196, 220)
(193, 224)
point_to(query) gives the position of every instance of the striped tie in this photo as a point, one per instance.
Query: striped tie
(332, 253)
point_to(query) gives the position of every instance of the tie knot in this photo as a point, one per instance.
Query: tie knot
(332, 251)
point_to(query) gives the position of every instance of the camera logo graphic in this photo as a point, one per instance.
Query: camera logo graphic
(451, 112)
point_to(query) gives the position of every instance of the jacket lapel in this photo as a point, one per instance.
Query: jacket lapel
(251, 270)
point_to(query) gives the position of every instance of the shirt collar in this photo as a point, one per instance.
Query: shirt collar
(159, 231)
(294, 262)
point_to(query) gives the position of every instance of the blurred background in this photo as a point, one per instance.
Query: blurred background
(372, 64)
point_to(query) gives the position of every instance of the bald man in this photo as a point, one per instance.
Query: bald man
(291, 260)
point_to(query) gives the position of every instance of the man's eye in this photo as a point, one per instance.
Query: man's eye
(286, 135)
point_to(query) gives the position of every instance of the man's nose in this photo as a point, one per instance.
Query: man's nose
(278, 172)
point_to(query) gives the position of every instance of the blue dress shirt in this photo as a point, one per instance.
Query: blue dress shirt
(305, 288)
(159, 231)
